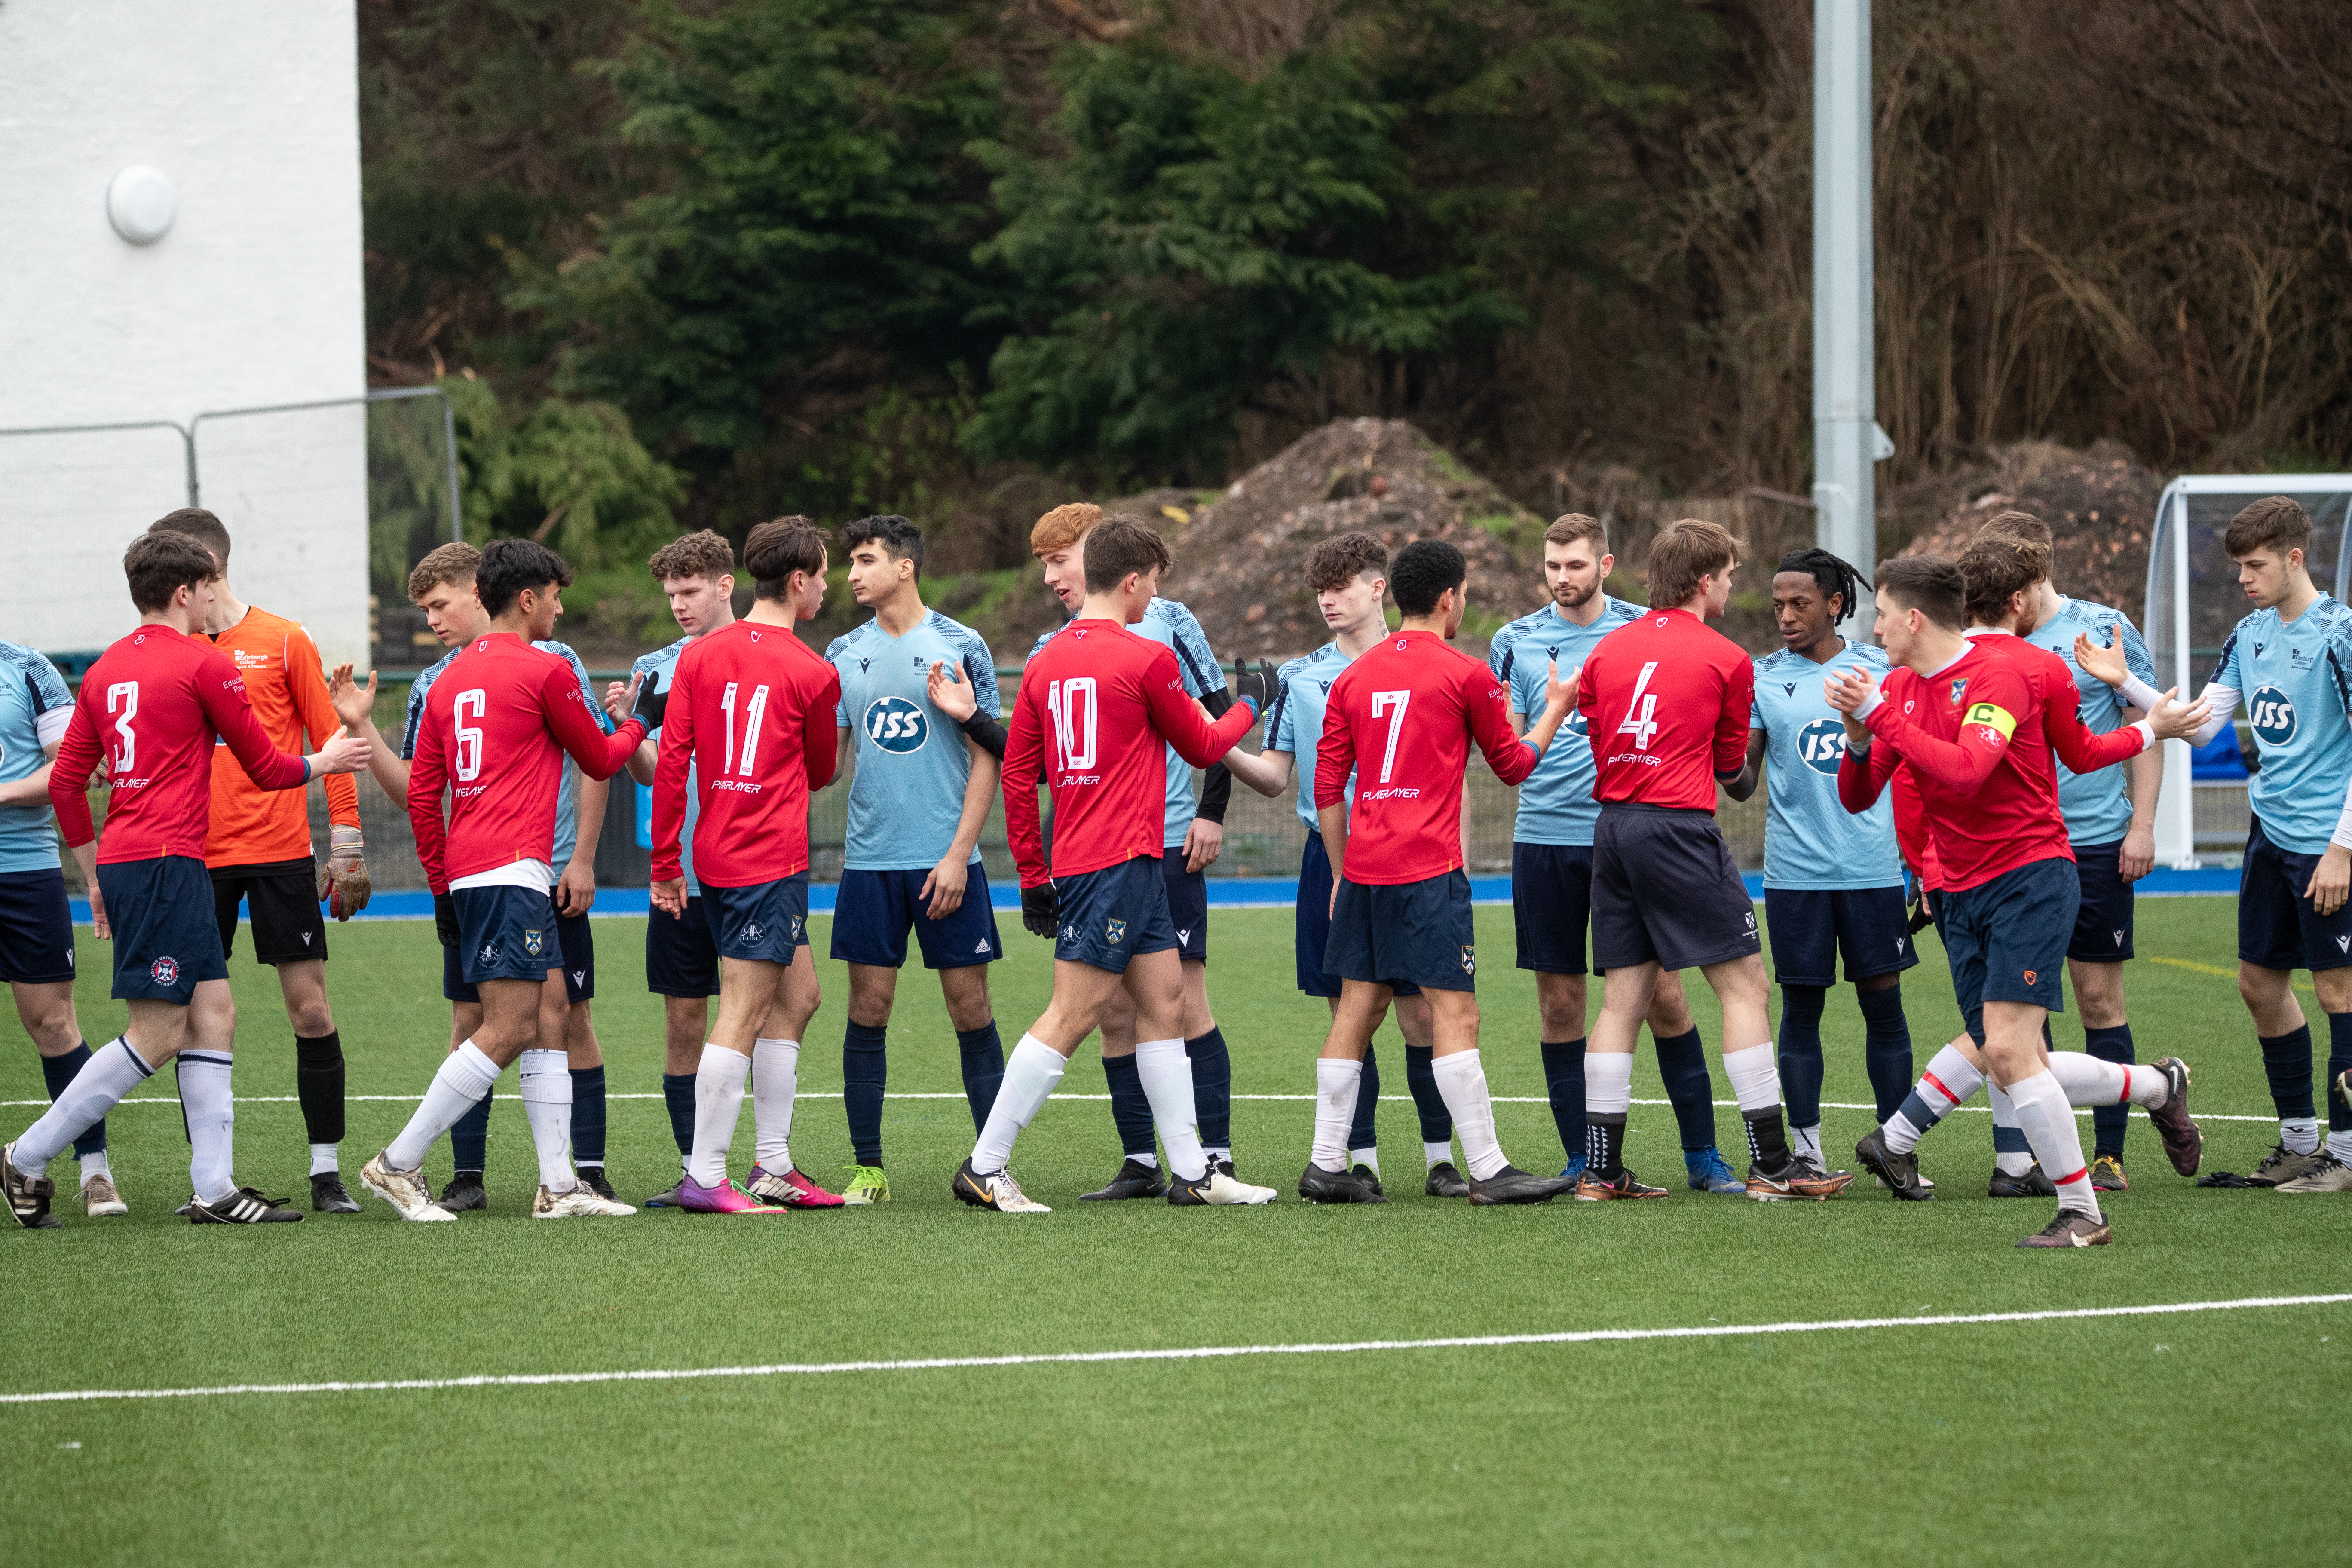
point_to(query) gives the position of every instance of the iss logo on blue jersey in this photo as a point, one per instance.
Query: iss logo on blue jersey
(897, 725)
(2272, 714)
(1821, 744)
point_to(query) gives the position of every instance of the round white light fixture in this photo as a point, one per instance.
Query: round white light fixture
(141, 204)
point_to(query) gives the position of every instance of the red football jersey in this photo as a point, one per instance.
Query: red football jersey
(153, 705)
(495, 726)
(1666, 700)
(1976, 738)
(1402, 717)
(1096, 704)
(752, 708)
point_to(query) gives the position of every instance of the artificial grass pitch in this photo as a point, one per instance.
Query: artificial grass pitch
(2090, 1439)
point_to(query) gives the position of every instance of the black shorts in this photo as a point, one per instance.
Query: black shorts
(165, 943)
(1665, 891)
(1114, 915)
(1551, 905)
(1420, 933)
(681, 959)
(1810, 926)
(766, 922)
(2277, 927)
(2006, 938)
(1311, 923)
(1188, 906)
(874, 910)
(2102, 922)
(37, 941)
(282, 900)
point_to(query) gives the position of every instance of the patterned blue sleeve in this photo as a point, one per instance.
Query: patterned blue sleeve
(2224, 670)
(1499, 653)
(1755, 706)
(2340, 662)
(1202, 675)
(1278, 722)
(52, 701)
(832, 652)
(980, 668)
(416, 718)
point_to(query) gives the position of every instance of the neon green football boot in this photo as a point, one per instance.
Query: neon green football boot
(867, 1185)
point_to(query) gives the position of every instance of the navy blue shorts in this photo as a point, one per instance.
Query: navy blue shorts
(2277, 927)
(503, 934)
(281, 904)
(1418, 932)
(1113, 915)
(1551, 905)
(681, 960)
(874, 910)
(1188, 906)
(36, 945)
(579, 947)
(164, 939)
(1810, 926)
(1313, 922)
(2102, 924)
(764, 922)
(1665, 891)
(2007, 939)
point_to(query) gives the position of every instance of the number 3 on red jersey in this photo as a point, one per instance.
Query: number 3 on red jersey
(124, 693)
(1072, 704)
(1639, 722)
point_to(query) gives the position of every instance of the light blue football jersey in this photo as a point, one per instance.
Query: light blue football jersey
(1556, 804)
(1810, 840)
(660, 667)
(2294, 681)
(567, 817)
(1295, 723)
(1172, 626)
(913, 761)
(35, 708)
(2097, 806)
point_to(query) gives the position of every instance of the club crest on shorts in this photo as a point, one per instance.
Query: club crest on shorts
(2031, 978)
(796, 931)
(1469, 960)
(1114, 931)
(532, 942)
(164, 971)
(751, 932)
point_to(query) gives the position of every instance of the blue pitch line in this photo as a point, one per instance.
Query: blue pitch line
(1225, 893)
(1192, 1352)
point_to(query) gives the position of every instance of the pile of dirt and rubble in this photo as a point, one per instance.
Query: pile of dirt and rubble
(2100, 506)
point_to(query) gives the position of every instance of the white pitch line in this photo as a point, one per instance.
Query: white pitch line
(1191, 1352)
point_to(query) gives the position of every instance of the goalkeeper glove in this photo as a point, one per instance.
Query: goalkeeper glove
(1040, 909)
(445, 919)
(1255, 687)
(344, 884)
(651, 705)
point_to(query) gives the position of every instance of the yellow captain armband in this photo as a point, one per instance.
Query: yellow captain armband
(1992, 716)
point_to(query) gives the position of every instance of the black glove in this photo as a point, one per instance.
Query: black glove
(1041, 911)
(445, 919)
(651, 704)
(1255, 687)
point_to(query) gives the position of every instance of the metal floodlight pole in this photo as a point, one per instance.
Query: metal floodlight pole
(1847, 440)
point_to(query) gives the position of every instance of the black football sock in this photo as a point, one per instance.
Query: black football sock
(1212, 1087)
(2286, 1061)
(57, 1075)
(1421, 1078)
(864, 1074)
(1604, 1144)
(983, 1054)
(1682, 1062)
(1800, 1053)
(1361, 1132)
(2109, 1122)
(677, 1094)
(319, 1085)
(588, 1115)
(1563, 1066)
(1886, 1048)
(1130, 1109)
(1767, 1139)
(469, 1140)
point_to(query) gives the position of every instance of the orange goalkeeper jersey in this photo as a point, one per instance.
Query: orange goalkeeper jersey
(251, 826)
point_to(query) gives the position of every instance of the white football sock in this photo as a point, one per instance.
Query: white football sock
(1030, 1074)
(1806, 1141)
(2048, 1125)
(1167, 1075)
(94, 1166)
(1608, 1083)
(2088, 1081)
(1462, 1080)
(1337, 1080)
(1149, 1161)
(1368, 1158)
(324, 1157)
(1755, 1074)
(463, 1075)
(544, 1081)
(717, 1104)
(2339, 1144)
(1436, 1154)
(1218, 1153)
(1951, 1079)
(775, 1078)
(2300, 1135)
(2009, 1162)
(210, 1110)
(1902, 1137)
(113, 1070)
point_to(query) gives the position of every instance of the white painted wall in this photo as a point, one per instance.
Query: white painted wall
(255, 296)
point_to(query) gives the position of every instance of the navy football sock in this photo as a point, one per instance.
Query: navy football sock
(865, 1072)
(2286, 1061)
(1421, 1078)
(588, 1115)
(1130, 1109)
(469, 1140)
(2339, 1061)
(319, 1085)
(1212, 1087)
(1563, 1066)
(984, 1070)
(57, 1072)
(1360, 1132)
(678, 1093)
(2108, 1122)
(1800, 1053)
(1885, 1047)
(1682, 1062)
